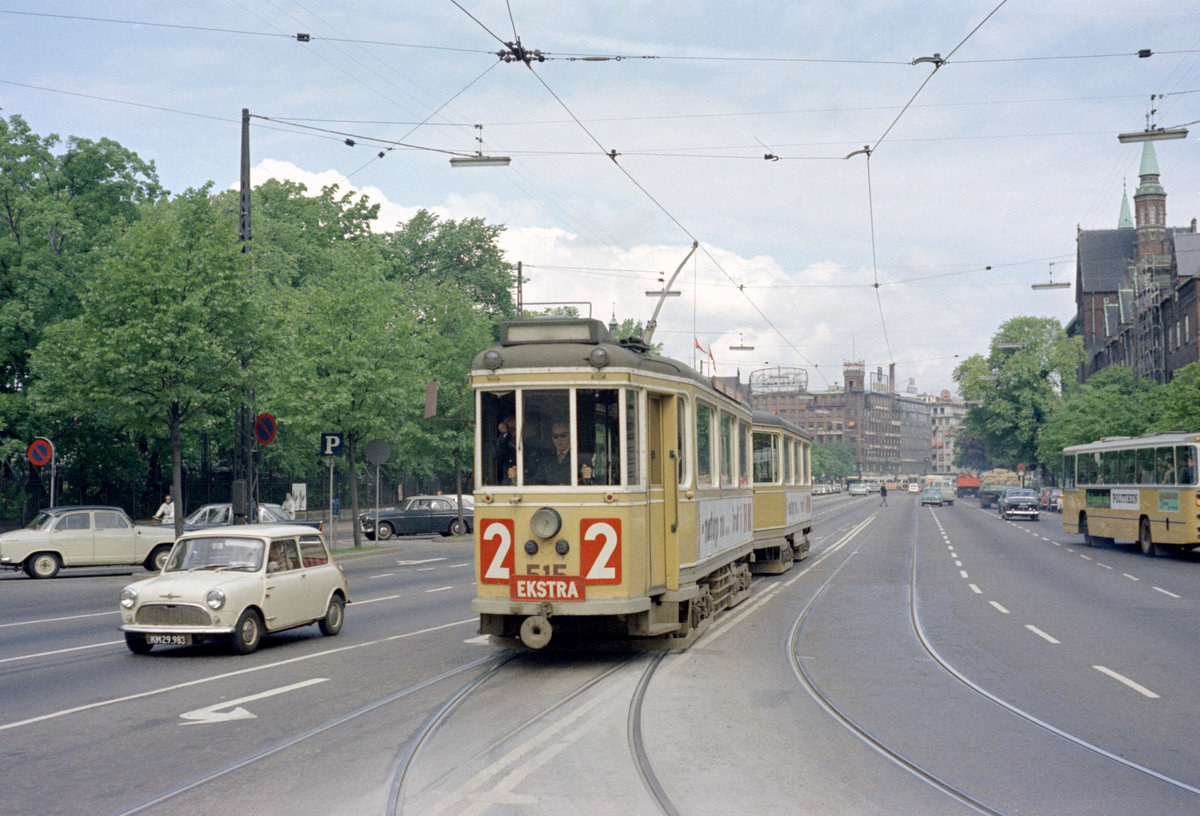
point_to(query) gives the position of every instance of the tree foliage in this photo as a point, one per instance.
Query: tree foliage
(833, 461)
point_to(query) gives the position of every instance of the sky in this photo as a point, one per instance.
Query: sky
(728, 124)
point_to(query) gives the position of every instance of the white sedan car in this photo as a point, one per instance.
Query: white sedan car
(236, 584)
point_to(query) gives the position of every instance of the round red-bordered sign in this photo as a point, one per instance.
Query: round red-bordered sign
(41, 451)
(264, 429)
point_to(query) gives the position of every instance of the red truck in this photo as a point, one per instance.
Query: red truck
(966, 485)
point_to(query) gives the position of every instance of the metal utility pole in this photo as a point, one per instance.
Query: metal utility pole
(245, 472)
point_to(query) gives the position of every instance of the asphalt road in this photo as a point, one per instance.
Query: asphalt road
(921, 660)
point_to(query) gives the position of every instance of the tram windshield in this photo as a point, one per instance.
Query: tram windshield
(539, 444)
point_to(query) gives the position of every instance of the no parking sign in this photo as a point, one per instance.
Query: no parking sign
(41, 451)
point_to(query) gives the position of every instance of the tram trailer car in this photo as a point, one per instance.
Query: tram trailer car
(613, 496)
(782, 493)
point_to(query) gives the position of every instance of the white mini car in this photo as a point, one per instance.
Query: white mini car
(236, 584)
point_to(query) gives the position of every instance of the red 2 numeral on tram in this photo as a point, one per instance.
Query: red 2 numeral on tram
(495, 551)
(600, 550)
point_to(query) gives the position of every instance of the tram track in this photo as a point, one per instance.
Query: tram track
(926, 774)
(527, 739)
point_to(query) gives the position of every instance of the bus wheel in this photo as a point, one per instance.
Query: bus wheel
(1144, 540)
(1088, 540)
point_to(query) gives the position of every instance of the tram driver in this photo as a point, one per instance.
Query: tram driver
(554, 466)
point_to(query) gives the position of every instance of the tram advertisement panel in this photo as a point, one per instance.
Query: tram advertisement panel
(724, 523)
(798, 505)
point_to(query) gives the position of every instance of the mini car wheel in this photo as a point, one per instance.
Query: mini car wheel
(42, 565)
(331, 624)
(384, 531)
(458, 528)
(137, 643)
(247, 633)
(158, 558)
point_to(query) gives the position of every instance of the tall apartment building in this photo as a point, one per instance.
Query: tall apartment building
(891, 434)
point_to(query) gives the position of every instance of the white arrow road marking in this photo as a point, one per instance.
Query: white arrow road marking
(414, 563)
(214, 713)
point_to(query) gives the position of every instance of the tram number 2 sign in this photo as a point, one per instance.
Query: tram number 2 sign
(599, 551)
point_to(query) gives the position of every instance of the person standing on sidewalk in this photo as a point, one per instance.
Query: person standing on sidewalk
(883, 495)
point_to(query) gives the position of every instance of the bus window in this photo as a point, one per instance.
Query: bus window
(1126, 462)
(1109, 472)
(1089, 468)
(1068, 471)
(766, 453)
(1164, 465)
(1145, 466)
(1185, 460)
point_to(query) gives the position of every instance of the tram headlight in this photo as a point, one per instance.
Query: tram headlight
(598, 357)
(492, 359)
(546, 522)
(562, 547)
(531, 547)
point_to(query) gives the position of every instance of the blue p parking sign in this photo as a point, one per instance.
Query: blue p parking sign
(331, 444)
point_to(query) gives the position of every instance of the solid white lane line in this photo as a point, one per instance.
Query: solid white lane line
(381, 575)
(62, 651)
(56, 620)
(439, 589)
(998, 607)
(1041, 634)
(1140, 689)
(357, 602)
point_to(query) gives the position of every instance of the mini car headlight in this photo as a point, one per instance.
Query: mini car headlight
(215, 598)
(128, 598)
(546, 522)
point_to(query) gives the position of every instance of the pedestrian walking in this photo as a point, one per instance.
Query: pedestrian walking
(883, 495)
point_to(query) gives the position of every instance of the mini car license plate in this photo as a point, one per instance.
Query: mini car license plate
(169, 640)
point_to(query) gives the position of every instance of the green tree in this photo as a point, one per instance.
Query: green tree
(161, 331)
(459, 254)
(59, 204)
(834, 461)
(1113, 402)
(1179, 402)
(1017, 386)
(348, 363)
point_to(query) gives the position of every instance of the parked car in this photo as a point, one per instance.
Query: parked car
(859, 489)
(931, 495)
(914, 487)
(1018, 502)
(83, 536)
(420, 515)
(236, 584)
(221, 514)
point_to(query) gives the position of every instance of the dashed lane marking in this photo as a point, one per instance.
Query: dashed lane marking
(999, 608)
(1140, 689)
(1041, 634)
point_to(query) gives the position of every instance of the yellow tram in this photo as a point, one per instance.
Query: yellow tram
(782, 493)
(613, 493)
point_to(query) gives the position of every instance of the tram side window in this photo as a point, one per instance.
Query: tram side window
(681, 427)
(1164, 465)
(726, 452)
(789, 474)
(632, 444)
(598, 424)
(1185, 458)
(766, 453)
(743, 454)
(497, 437)
(805, 462)
(705, 447)
(1145, 466)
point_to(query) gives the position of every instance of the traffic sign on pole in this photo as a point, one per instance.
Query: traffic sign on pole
(265, 428)
(41, 451)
